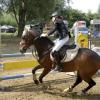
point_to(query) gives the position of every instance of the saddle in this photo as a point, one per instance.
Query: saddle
(63, 50)
(67, 53)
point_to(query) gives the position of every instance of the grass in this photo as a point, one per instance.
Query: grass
(7, 19)
(10, 42)
(96, 41)
(8, 35)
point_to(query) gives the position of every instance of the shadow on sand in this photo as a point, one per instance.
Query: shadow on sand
(56, 91)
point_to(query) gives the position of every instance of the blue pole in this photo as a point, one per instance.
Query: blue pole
(14, 55)
(15, 76)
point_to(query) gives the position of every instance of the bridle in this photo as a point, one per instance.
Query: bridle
(32, 41)
(35, 53)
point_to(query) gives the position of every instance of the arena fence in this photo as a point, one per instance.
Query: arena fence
(16, 64)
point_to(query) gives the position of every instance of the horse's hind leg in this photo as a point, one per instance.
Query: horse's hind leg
(78, 80)
(91, 84)
(34, 75)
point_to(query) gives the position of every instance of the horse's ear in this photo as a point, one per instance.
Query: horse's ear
(25, 28)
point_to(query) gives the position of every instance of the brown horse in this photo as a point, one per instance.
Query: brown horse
(86, 62)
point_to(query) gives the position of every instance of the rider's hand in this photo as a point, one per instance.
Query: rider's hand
(44, 35)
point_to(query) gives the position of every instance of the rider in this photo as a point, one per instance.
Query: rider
(64, 36)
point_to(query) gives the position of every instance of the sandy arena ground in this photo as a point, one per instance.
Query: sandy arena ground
(25, 89)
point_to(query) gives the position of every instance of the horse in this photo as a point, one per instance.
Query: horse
(86, 62)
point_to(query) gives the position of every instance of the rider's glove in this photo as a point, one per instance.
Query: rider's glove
(44, 35)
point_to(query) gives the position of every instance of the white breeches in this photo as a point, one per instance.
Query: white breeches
(60, 43)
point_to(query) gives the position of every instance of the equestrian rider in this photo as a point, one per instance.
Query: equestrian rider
(63, 34)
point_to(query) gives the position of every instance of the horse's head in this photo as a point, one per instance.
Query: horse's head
(27, 39)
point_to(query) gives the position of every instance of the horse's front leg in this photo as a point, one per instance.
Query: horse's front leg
(44, 73)
(34, 75)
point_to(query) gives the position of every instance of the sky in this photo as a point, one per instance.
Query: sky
(85, 5)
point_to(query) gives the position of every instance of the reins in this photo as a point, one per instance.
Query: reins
(35, 53)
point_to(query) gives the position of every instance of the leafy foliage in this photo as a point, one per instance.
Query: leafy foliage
(31, 10)
(27, 10)
(7, 19)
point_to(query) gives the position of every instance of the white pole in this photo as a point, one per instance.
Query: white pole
(89, 44)
(89, 40)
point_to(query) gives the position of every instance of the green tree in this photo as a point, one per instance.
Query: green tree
(98, 9)
(89, 17)
(72, 15)
(98, 12)
(27, 10)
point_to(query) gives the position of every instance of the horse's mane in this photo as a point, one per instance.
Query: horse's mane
(45, 40)
(36, 30)
(41, 41)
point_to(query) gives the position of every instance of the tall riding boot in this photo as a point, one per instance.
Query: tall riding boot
(59, 66)
(54, 63)
(58, 63)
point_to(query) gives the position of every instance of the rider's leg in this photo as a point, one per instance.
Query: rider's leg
(59, 66)
(56, 55)
(57, 61)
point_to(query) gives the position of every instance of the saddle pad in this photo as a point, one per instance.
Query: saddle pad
(70, 54)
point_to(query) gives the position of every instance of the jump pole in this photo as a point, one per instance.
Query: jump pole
(16, 76)
(14, 55)
(7, 77)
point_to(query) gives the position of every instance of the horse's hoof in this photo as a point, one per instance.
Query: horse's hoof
(40, 80)
(36, 82)
(68, 90)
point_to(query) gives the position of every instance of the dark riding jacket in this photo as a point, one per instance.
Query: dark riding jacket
(61, 29)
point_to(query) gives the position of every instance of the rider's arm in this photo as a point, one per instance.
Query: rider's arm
(53, 30)
(68, 32)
